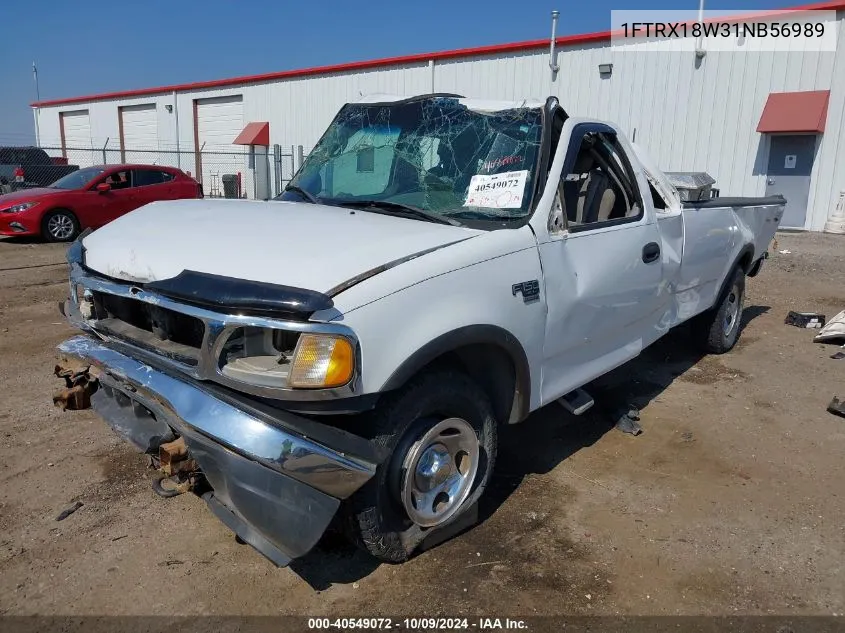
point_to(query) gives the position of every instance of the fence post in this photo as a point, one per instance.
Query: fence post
(292, 160)
(277, 168)
(105, 161)
(300, 156)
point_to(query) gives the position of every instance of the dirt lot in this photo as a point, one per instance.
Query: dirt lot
(730, 502)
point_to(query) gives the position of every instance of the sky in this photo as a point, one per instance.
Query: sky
(85, 47)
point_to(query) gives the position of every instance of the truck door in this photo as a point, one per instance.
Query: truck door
(601, 264)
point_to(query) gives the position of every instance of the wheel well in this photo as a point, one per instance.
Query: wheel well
(65, 209)
(489, 354)
(492, 369)
(745, 260)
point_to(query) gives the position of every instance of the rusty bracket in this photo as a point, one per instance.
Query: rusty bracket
(80, 384)
(177, 468)
(173, 458)
(179, 484)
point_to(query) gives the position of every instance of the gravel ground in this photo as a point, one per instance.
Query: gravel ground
(730, 502)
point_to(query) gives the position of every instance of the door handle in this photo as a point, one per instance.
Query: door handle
(771, 181)
(651, 252)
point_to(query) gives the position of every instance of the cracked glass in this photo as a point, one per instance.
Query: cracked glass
(433, 156)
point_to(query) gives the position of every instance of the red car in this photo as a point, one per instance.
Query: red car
(90, 197)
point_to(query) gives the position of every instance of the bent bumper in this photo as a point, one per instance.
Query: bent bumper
(275, 483)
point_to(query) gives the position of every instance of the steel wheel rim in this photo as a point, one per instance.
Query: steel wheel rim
(439, 471)
(732, 312)
(60, 226)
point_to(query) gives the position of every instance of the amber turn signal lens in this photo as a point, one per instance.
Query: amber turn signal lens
(321, 361)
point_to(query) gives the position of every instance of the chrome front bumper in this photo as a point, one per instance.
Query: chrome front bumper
(277, 478)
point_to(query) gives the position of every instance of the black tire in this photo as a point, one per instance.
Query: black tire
(717, 330)
(374, 517)
(59, 225)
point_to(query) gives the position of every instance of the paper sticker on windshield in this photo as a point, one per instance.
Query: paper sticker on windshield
(497, 191)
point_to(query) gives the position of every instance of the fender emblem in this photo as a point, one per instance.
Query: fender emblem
(530, 290)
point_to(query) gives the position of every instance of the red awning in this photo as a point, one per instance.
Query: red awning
(795, 112)
(256, 133)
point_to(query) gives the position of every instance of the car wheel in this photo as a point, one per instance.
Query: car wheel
(718, 329)
(59, 226)
(439, 435)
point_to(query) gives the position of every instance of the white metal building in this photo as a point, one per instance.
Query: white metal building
(740, 116)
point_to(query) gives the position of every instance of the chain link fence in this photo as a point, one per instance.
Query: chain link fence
(224, 172)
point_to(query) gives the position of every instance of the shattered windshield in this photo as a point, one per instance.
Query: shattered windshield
(433, 156)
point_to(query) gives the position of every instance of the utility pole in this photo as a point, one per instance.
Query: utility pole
(37, 99)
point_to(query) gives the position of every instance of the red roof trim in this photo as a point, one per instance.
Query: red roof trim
(255, 133)
(795, 112)
(477, 51)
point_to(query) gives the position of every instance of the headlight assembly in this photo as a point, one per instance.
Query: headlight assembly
(17, 208)
(277, 358)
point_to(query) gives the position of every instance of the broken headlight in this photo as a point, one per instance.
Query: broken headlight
(278, 358)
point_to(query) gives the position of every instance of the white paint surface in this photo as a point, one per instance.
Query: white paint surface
(289, 243)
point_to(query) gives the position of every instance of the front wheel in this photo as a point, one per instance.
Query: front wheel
(60, 226)
(439, 434)
(717, 330)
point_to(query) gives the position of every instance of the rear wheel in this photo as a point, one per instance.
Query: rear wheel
(717, 330)
(59, 225)
(440, 435)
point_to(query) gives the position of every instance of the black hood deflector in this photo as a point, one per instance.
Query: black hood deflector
(217, 292)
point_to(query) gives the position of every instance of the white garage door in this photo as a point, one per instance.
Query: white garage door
(219, 121)
(77, 138)
(140, 134)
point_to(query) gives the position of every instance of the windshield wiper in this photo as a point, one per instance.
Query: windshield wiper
(403, 209)
(308, 196)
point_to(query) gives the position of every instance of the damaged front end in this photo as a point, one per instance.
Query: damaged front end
(273, 477)
(276, 480)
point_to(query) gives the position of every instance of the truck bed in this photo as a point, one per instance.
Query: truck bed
(735, 202)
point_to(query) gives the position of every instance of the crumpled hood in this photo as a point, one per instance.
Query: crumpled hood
(289, 243)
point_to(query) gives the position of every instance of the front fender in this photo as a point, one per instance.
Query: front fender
(405, 329)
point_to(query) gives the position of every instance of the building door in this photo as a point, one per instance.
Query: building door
(139, 134)
(218, 122)
(75, 131)
(788, 174)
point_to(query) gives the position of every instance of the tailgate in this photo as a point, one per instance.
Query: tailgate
(762, 220)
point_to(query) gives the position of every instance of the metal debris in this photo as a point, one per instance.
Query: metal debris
(837, 407)
(79, 386)
(805, 319)
(629, 421)
(68, 511)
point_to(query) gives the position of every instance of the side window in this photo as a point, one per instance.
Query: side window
(119, 180)
(600, 187)
(144, 177)
(656, 199)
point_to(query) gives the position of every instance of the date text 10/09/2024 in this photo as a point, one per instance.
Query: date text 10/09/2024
(417, 624)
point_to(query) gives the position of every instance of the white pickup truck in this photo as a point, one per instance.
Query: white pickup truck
(437, 268)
